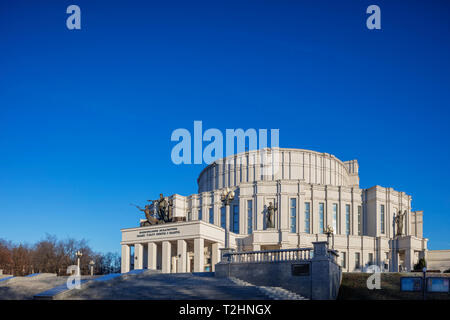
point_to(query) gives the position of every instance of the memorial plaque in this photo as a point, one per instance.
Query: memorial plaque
(411, 284)
(300, 269)
(437, 284)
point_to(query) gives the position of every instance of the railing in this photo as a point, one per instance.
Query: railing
(268, 255)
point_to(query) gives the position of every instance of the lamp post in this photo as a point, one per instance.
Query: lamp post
(329, 231)
(79, 254)
(424, 283)
(91, 266)
(227, 196)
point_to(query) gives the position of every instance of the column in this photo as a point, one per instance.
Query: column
(409, 259)
(199, 259)
(181, 253)
(166, 257)
(188, 263)
(215, 255)
(152, 255)
(138, 256)
(227, 225)
(283, 213)
(174, 264)
(125, 264)
(259, 215)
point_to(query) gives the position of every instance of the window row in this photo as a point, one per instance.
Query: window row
(234, 227)
(322, 220)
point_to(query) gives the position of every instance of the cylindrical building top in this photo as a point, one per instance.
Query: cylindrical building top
(277, 164)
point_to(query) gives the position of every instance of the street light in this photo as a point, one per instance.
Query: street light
(79, 254)
(424, 283)
(91, 266)
(227, 197)
(329, 231)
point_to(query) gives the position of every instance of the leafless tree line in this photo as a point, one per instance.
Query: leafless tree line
(54, 256)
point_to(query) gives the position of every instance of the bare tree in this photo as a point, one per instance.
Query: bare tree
(54, 256)
(6, 261)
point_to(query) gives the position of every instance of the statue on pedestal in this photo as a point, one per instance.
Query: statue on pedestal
(270, 216)
(163, 208)
(157, 212)
(399, 221)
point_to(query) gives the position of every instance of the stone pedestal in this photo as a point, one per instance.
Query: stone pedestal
(224, 251)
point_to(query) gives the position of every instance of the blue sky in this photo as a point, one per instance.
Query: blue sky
(86, 115)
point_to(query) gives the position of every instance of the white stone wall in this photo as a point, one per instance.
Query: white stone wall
(438, 259)
(286, 164)
(314, 178)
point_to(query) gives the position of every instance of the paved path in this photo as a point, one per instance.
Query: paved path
(167, 286)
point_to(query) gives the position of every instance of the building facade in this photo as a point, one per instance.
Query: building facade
(310, 192)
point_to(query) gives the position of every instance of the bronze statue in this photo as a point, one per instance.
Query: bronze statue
(399, 221)
(151, 220)
(158, 211)
(270, 217)
(163, 208)
(170, 210)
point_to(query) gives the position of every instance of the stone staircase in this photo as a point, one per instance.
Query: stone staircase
(142, 285)
(274, 293)
(184, 286)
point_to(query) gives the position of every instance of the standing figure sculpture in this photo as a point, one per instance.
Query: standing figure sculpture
(399, 221)
(157, 212)
(170, 210)
(270, 217)
(163, 209)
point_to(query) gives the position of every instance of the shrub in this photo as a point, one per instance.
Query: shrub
(420, 265)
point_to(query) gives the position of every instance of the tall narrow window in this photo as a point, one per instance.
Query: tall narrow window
(249, 216)
(200, 214)
(344, 260)
(293, 215)
(211, 215)
(236, 219)
(321, 218)
(359, 220)
(382, 219)
(370, 259)
(335, 214)
(307, 215)
(222, 217)
(189, 216)
(357, 260)
(347, 219)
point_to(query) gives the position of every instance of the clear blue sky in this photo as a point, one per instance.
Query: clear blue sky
(86, 116)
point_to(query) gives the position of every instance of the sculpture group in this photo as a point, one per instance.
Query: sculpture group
(161, 211)
(157, 212)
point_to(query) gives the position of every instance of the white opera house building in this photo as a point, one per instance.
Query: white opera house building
(310, 191)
